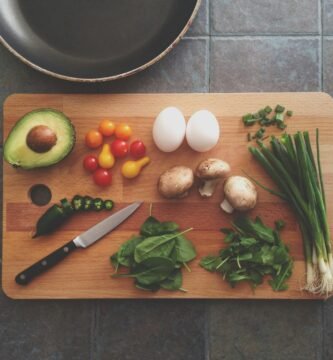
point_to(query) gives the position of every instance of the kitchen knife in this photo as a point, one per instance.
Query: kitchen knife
(84, 240)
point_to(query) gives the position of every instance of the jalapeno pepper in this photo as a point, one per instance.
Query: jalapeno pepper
(77, 202)
(87, 203)
(98, 204)
(108, 204)
(50, 220)
(56, 215)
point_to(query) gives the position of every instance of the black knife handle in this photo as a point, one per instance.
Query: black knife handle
(24, 277)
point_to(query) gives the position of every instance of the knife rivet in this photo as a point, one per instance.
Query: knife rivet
(66, 249)
(22, 277)
(44, 263)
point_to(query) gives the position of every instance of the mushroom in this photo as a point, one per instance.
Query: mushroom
(210, 172)
(176, 182)
(240, 194)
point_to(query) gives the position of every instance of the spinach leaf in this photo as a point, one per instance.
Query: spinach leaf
(125, 255)
(152, 287)
(148, 227)
(184, 250)
(155, 245)
(152, 227)
(174, 281)
(153, 270)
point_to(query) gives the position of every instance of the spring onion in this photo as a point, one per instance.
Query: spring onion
(292, 166)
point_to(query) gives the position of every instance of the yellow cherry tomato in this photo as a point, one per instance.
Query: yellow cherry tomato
(93, 139)
(105, 159)
(132, 169)
(107, 127)
(123, 131)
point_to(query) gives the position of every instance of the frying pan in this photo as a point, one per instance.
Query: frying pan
(93, 40)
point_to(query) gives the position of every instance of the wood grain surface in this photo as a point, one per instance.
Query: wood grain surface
(86, 273)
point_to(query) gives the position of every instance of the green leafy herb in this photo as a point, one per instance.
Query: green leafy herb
(254, 251)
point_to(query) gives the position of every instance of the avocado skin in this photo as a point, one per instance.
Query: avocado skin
(53, 161)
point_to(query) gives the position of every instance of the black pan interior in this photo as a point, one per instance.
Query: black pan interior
(92, 38)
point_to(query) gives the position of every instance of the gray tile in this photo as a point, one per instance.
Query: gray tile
(328, 17)
(200, 25)
(265, 17)
(265, 330)
(264, 64)
(185, 69)
(36, 330)
(328, 330)
(328, 64)
(172, 330)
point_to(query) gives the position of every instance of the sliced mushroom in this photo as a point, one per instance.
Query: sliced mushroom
(176, 182)
(240, 194)
(210, 172)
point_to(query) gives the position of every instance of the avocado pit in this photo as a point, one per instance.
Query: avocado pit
(41, 139)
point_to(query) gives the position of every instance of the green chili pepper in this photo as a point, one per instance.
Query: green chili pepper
(87, 203)
(50, 220)
(98, 204)
(77, 202)
(279, 109)
(67, 206)
(108, 204)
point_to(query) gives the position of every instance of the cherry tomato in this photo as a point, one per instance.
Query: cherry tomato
(123, 131)
(94, 139)
(119, 148)
(107, 127)
(102, 177)
(90, 163)
(138, 149)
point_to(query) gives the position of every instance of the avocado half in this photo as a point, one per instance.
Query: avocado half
(41, 138)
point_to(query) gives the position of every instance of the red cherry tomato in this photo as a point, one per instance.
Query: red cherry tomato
(119, 148)
(138, 149)
(102, 177)
(90, 163)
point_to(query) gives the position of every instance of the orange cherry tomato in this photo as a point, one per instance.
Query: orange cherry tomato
(123, 131)
(107, 127)
(94, 139)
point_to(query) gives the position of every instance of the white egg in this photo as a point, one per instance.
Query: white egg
(169, 129)
(203, 131)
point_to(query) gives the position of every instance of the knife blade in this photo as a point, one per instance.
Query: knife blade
(84, 240)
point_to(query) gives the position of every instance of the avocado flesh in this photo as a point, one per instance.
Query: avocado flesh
(16, 150)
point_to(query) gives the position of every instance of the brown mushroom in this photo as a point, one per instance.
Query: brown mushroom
(240, 194)
(210, 172)
(176, 182)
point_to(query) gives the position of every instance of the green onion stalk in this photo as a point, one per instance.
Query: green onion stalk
(291, 164)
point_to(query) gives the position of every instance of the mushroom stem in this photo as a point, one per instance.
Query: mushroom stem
(226, 206)
(208, 187)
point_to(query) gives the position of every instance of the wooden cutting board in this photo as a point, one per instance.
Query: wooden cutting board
(86, 273)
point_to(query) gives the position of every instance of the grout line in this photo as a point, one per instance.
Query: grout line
(258, 36)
